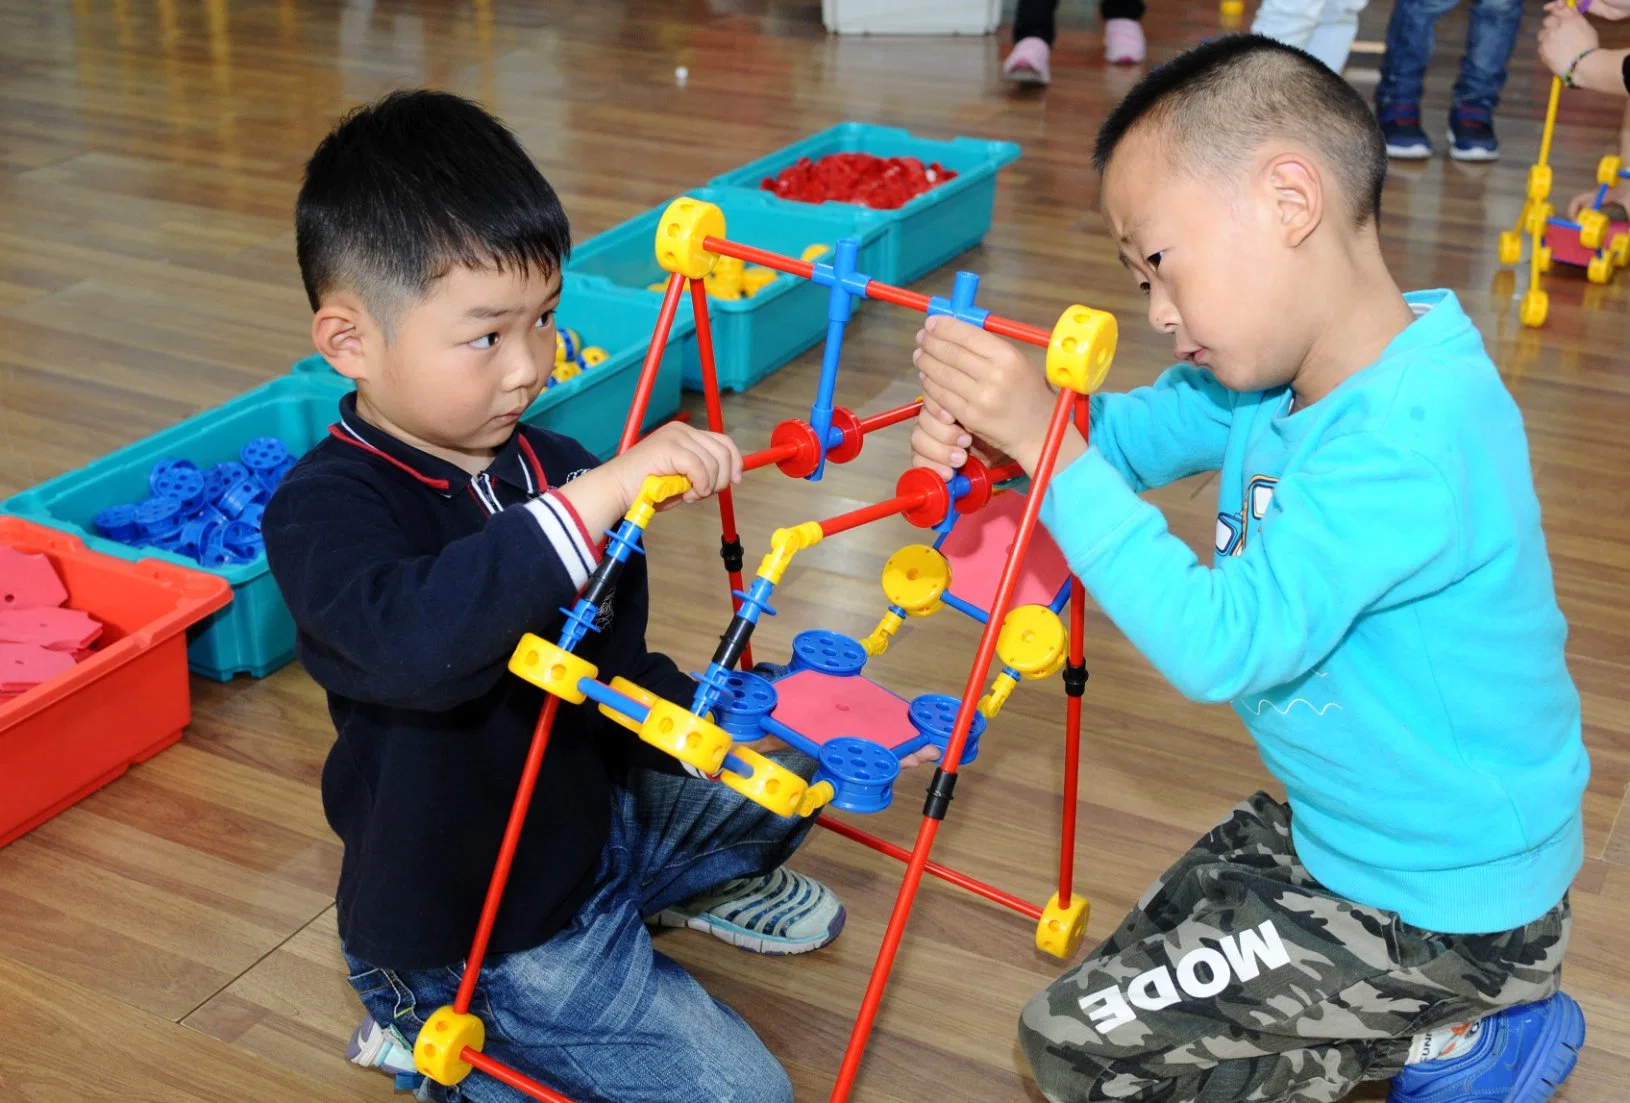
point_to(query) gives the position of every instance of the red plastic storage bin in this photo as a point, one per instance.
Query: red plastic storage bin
(68, 737)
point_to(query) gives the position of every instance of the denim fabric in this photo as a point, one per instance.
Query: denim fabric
(1491, 35)
(596, 1012)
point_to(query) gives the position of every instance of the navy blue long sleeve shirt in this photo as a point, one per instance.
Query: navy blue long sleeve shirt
(411, 581)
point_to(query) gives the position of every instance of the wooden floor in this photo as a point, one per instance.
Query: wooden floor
(172, 938)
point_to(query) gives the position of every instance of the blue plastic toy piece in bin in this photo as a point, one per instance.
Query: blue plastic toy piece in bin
(592, 406)
(930, 229)
(254, 634)
(752, 337)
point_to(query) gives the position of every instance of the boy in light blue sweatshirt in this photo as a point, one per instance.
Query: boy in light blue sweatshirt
(1380, 613)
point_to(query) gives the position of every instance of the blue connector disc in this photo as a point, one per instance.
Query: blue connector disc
(164, 467)
(828, 652)
(934, 715)
(118, 523)
(861, 774)
(158, 517)
(264, 454)
(744, 700)
(182, 483)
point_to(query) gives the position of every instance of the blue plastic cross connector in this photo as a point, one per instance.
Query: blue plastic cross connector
(840, 276)
(934, 715)
(710, 684)
(827, 652)
(861, 774)
(960, 304)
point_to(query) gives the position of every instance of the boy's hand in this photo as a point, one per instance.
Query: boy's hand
(976, 384)
(1563, 36)
(1619, 195)
(710, 461)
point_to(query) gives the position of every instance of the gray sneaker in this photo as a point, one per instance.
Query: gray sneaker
(780, 913)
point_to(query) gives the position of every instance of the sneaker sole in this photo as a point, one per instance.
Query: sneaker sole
(751, 941)
(1474, 154)
(1028, 78)
(1564, 1034)
(1409, 153)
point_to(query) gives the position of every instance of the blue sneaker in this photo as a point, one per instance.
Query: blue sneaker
(1401, 124)
(1522, 1056)
(1471, 134)
(780, 913)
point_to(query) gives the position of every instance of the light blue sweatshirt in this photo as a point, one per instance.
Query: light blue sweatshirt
(1380, 613)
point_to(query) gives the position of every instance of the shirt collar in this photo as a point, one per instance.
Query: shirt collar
(515, 463)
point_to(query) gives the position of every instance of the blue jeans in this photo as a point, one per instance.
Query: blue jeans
(1490, 37)
(596, 1012)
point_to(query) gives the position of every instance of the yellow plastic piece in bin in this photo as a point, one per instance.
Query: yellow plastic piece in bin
(1082, 347)
(438, 1052)
(1061, 929)
(915, 578)
(634, 693)
(594, 356)
(756, 279)
(1033, 641)
(771, 785)
(681, 231)
(813, 253)
(551, 668)
(686, 736)
(565, 371)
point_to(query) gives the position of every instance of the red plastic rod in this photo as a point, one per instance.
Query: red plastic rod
(1072, 713)
(944, 873)
(653, 359)
(890, 417)
(875, 289)
(506, 1075)
(951, 756)
(506, 855)
(754, 460)
(715, 424)
(865, 515)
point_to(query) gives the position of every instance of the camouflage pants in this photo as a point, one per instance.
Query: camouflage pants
(1240, 978)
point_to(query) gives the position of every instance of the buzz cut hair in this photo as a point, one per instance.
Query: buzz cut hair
(406, 189)
(1216, 104)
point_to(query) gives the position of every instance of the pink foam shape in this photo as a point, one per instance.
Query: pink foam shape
(24, 666)
(978, 549)
(54, 628)
(28, 581)
(823, 707)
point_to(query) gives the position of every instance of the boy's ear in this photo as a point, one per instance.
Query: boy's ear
(340, 330)
(1298, 196)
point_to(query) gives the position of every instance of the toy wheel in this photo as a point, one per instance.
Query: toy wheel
(1620, 249)
(1607, 170)
(1539, 182)
(1535, 304)
(1593, 226)
(1543, 257)
(1510, 247)
(1600, 268)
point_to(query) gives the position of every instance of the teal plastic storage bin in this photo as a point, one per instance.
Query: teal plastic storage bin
(929, 230)
(592, 407)
(255, 633)
(751, 337)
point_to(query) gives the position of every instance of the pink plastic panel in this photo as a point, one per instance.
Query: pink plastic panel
(978, 548)
(823, 706)
(1565, 247)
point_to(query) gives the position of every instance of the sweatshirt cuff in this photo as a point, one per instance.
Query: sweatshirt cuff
(1085, 504)
(566, 534)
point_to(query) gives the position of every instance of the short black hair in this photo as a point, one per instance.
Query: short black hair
(405, 189)
(1219, 101)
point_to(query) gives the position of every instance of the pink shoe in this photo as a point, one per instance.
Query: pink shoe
(1123, 41)
(1027, 64)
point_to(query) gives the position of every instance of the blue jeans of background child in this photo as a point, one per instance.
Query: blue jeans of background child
(596, 1012)
(1490, 38)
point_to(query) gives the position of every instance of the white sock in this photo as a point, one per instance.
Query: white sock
(1451, 1041)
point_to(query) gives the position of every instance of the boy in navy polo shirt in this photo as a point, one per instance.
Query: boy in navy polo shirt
(414, 546)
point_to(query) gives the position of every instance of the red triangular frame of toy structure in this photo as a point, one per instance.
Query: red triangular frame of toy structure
(789, 445)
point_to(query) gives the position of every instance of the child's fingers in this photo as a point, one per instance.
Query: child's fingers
(937, 412)
(727, 455)
(954, 364)
(947, 396)
(945, 431)
(971, 337)
(700, 466)
(929, 753)
(930, 453)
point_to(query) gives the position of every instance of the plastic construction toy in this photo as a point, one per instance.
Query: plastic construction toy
(211, 516)
(986, 554)
(572, 358)
(1591, 242)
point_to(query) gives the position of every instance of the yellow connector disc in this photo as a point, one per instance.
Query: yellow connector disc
(684, 226)
(915, 578)
(1033, 641)
(1082, 347)
(1061, 929)
(438, 1052)
(551, 668)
